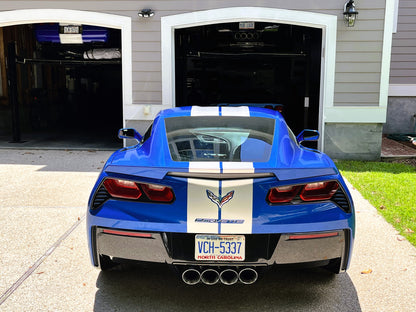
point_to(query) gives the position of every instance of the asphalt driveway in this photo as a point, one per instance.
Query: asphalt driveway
(44, 262)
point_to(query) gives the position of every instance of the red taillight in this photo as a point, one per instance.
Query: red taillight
(158, 193)
(283, 194)
(122, 189)
(307, 192)
(131, 190)
(319, 191)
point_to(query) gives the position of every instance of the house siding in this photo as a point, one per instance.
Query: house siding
(403, 53)
(358, 56)
(401, 110)
(358, 68)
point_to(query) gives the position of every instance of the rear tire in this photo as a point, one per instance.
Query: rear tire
(106, 263)
(334, 266)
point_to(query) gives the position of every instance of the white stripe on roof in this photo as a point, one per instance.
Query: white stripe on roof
(205, 111)
(242, 111)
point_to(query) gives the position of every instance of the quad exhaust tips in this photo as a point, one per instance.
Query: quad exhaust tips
(191, 277)
(227, 276)
(210, 277)
(248, 276)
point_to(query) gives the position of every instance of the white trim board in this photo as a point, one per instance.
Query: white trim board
(32, 16)
(402, 90)
(386, 54)
(326, 22)
(364, 114)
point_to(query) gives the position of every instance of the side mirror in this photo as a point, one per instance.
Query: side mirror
(307, 135)
(129, 133)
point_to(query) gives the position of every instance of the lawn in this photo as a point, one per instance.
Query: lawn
(390, 187)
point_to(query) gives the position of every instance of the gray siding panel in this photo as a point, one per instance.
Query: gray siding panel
(146, 67)
(403, 57)
(358, 49)
(148, 76)
(146, 56)
(346, 78)
(364, 57)
(352, 97)
(149, 86)
(147, 97)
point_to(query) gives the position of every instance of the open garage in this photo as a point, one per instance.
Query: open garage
(65, 85)
(257, 63)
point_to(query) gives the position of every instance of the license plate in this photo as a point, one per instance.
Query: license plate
(220, 247)
(72, 29)
(246, 25)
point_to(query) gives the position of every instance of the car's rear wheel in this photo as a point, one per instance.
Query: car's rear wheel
(106, 263)
(334, 266)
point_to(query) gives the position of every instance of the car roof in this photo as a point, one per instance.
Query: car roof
(241, 111)
(155, 153)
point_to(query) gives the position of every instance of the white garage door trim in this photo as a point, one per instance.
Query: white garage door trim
(32, 16)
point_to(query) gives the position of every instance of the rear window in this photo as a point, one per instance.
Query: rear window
(217, 138)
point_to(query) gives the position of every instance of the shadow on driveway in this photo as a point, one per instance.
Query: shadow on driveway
(157, 288)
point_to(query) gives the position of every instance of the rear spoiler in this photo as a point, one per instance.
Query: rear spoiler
(282, 174)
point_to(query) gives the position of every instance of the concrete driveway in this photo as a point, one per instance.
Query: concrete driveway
(44, 262)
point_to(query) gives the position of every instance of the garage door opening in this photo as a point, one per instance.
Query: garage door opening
(251, 62)
(69, 85)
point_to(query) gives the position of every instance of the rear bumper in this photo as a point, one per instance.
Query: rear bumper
(261, 249)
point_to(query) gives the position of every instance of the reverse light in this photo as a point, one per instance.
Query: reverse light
(158, 193)
(319, 191)
(122, 189)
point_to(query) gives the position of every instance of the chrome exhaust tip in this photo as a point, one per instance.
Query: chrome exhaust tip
(191, 276)
(248, 276)
(229, 277)
(210, 277)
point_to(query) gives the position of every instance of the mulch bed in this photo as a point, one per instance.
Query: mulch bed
(408, 144)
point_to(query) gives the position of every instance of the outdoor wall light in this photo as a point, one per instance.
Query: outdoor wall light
(146, 13)
(350, 13)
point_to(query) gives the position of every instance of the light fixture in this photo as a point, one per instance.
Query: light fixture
(350, 13)
(146, 13)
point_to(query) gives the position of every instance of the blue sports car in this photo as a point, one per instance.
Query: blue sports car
(220, 194)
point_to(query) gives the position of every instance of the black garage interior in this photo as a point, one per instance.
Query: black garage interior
(68, 94)
(251, 62)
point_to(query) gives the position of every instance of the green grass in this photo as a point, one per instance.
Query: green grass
(390, 187)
